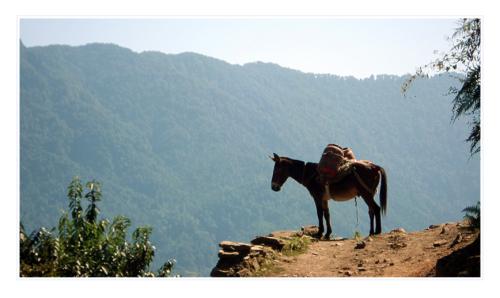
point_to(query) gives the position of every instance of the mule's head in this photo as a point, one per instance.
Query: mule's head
(281, 171)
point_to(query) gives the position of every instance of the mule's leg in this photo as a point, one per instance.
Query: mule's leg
(319, 212)
(326, 213)
(374, 210)
(372, 215)
(378, 229)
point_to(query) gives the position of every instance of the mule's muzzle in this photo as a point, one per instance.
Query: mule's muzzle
(275, 187)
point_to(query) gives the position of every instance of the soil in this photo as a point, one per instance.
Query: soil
(394, 254)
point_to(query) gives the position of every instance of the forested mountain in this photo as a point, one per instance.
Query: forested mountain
(180, 143)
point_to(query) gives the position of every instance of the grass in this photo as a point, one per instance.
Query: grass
(296, 245)
(267, 268)
(357, 235)
(293, 246)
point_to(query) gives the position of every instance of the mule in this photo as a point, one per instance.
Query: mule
(362, 181)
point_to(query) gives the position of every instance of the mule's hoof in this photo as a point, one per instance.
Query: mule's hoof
(317, 235)
(327, 237)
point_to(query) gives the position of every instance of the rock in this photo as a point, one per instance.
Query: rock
(338, 239)
(254, 263)
(468, 236)
(230, 246)
(312, 239)
(273, 242)
(368, 239)
(230, 257)
(348, 273)
(439, 243)
(431, 227)
(399, 230)
(259, 250)
(309, 230)
(457, 240)
(445, 230)
(398, 245)
(360, 245)
(243, 273)
(361, 269)
(228, 254)
(285, 234)
(239, 259)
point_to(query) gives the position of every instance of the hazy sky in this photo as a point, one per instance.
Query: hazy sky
(358, 47)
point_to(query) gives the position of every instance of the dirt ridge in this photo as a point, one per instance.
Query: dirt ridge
(394, 254)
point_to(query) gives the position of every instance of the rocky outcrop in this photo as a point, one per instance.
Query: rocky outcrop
(273, 242)
(465, 262)
(449, 249)
(237, 259)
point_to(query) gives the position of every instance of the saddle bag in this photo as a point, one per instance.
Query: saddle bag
(335, 163)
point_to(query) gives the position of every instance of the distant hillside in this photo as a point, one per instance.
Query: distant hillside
(180, 142)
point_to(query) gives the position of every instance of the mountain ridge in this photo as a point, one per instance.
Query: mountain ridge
(205, 56)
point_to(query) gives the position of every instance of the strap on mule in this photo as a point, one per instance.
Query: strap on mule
(362, 182)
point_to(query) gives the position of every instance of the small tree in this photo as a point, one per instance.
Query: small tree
(87, 246)
(464, 56)
(472, 215)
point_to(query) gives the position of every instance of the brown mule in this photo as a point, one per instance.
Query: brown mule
(363, 181)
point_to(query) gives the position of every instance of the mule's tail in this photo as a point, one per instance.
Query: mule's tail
(383, 190)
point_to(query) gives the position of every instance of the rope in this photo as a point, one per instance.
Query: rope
(357, 216)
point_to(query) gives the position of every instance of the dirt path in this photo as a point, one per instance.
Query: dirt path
(395, 254)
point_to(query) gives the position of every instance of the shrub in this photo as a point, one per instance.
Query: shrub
(87, 246)
(472, 215)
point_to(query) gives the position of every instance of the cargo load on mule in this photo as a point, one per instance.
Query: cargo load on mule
(335, 163)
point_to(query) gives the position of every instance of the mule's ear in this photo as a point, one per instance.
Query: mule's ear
(276, 158)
